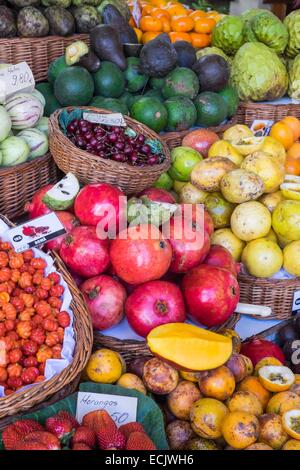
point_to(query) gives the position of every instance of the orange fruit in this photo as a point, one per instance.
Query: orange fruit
(182, 24)
(294, 125)
(175, 36)
(176, 9)
(159, 3)
(253, 385)
(204, 25)
(149, 35)
(146, 10)
(166, 25)
(294, 151)
(196, 14)
(160, 13)
(283, 133)
(139, 34)
(148, 23)
(292, 166)
(215, 15)
(200, 40)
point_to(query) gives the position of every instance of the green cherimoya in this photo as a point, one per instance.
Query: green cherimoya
(252, 12)
(258, 74)
(228, 34)
(292, 22)
(269, 30)
(294, 78)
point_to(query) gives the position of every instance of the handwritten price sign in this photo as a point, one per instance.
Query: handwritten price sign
(16, 78)
(113, 119)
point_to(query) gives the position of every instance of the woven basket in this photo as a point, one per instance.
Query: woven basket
(174, 139)
(19, 183)
(37, 52)
(277, 294)
(248, 112)
(133, 349)
(62, 384)
(92, 169)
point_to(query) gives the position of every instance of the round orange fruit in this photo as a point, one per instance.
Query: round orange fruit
(148, 23)
(182, 24)
(283, 133)
(294, 124)
(204, 25)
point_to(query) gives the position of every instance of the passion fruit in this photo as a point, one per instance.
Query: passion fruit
(191, 376)
(159, 377)
(276, 378)
(246, 402)
(181, 400)
(132, 382)
(207, 416)
(240, 185)
(258, 446)
(295, 388)
(207, 174)
(291, 444)
(267, 361)
(250, 220)
(240, 429)
(253, 385)
(271, 430)
(198, 443)
(178, 434)
(282, 402)
(291, 423)
(267, 168)
(237, 366)
(137, 366)
(217, 383)
(249, 365)
(226, 238)
(237, 132)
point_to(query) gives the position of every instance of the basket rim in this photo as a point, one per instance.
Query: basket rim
(218, 129)
(245, 277)
(49, 37)
(24, 166)
(260, 104)
(55, 129)
(20, 401)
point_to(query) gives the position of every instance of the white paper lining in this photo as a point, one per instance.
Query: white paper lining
(53, 366)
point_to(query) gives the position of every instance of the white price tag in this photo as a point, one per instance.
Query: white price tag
(36, 232)
(113, 119)
(16, 78)
(136, 13)
(296, 302)
(261, 127)
(121, 409)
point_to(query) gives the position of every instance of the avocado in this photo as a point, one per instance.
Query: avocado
(32, 23)
(158, 57)
(213, 72)
(55, 67)
(109, 80)
(8, 27)
(61, 21)
(56, 3)
(106, 44)
(230, 95)
(90, 62)
(211, 108)
(112, 104)
(51, 102)
(135, 80)
(119, 4)
(112, 17)
(86, 18)
(74, 86)
(186, 54)
(75, 51)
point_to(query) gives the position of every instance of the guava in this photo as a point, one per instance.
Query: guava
(219, 209)
(286, 220)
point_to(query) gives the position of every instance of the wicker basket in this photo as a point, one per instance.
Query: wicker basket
(248, 112)
(37, 52)
(92, 169)
(66, 382)
(133, 349)
(277, 294)
(19, 183)
(174, 139)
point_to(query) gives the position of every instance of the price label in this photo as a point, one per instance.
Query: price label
(16, 78)
(36, 232)
(296, 302)
(136, 13)
(121, 409)
(113, 119)
(261, 127)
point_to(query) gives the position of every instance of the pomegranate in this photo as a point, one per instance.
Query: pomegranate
(100, 204)
(140, 254)
(200, 140)
(105, 298)
(158, 195)
(211, 294)
(152, 304)
(37, 207)
(69, 221)
(220, 257)
(257, 348)
(198, 214)
(84, 253)
(190, 246)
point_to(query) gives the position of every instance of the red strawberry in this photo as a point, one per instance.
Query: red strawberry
(15, 432)
(66, 415)
(26, 426)
(10, 437)
(108, 435)
(139, 441)
(128, 428)
(84, 435)
(31, 445)
(44, 437)
(60, 427)
(80, 446)
(92, 419)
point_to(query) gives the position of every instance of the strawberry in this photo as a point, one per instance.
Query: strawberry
(128, 428)
(139, 441)
(92, 419)
(14, 433)
(60, 427)
(66, 415)
(31, 445)
(108, 435)
(10, 437)
(80, 446)
(84, 435)
(25, 426)
(44, 437)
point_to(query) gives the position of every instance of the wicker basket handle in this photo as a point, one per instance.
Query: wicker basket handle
(249, 309)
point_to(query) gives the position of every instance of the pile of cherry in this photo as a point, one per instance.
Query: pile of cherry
(112, 142)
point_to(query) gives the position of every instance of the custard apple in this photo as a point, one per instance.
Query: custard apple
(269, 30)
(292, 22)
(294, 78)
(258, 74)
(228, 34)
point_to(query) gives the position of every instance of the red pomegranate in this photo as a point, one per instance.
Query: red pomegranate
(199, 215)
(221, 258)
(37, 207)
(140, 254)
(100, 204)
(190, 246)
(84, 253)
(105, 298)
(257, 348)
(158, 195)
(69, 221)
(200, 140)
(211, 294)
(152, 304)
